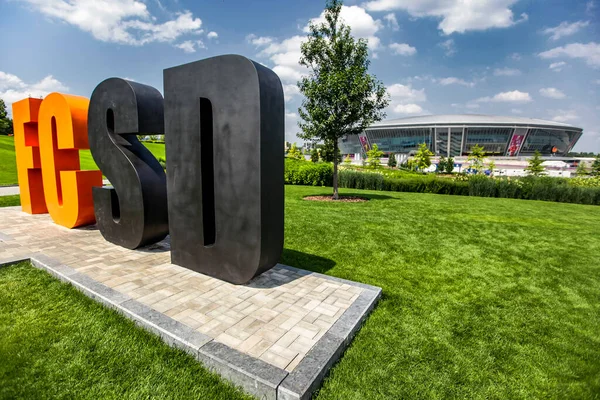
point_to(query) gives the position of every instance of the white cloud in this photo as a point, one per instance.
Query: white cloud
(190, 46)
(506, 72)
(564, 115)
(406, 94)
(565, 29)
(451, 80)
(212, 35)
(392, 22)
(404, 99)
(516, 111)
(289, 91)
(552, 93)
(363, 25)
(13, 88)
(285, 54)
(557, 66)
(259, 41)
(118, 21)
(448, 46)
(514, 96)
(590, 52)
(402, 49)
(456, 15)
(515, 56)
(408, 109)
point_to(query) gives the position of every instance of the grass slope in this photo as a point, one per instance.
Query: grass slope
(8, 166)
(57, 343)
(483, 298)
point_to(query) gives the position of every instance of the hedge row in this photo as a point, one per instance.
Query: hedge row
(529, 188)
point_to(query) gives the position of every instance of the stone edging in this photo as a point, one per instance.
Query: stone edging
(251, 374)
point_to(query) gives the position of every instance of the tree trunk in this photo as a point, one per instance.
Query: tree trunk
(335, 170)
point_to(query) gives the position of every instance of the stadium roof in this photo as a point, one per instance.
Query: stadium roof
(470, 119)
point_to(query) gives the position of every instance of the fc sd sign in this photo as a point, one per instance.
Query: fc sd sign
(222, 198)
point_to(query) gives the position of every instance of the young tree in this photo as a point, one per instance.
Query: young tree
(492, 167)
(314, 155)
(596, 166)
(535, 166)
(476, 157)
(327, 151)
(374, 157)
(341, 97)
(422, 158)
(441, 167)
(392, 160)
(581, 171)
(295, 153)
(6, 126)
(450, 165)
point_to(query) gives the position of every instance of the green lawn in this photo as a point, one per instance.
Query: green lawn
(57, 343)
(8, 165)
(12, 200)
(483, 298)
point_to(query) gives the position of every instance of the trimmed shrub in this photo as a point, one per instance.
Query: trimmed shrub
(564, 190)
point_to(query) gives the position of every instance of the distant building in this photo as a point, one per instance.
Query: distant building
(455, 135)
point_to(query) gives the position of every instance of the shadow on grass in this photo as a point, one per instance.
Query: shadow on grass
(309, 262)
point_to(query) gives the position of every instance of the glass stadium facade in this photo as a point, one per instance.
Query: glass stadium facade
(455, 135)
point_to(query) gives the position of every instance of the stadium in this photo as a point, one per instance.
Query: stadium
(455, 135)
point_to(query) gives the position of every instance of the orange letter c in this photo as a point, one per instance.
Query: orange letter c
(62, 126)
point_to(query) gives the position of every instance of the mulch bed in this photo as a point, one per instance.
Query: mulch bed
(342, 199)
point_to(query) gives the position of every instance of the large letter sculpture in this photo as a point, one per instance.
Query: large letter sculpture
(224, 130)
(62, 126)
(25, 117)
(134, 213)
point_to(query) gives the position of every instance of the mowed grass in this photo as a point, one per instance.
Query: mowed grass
(10, 200)
(57, 343)
(483, 298)
(8, 165)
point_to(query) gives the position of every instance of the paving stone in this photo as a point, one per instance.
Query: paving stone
(276, 336)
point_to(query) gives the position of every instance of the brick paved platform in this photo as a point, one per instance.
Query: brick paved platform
(288, 324)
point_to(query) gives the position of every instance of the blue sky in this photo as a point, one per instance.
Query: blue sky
(529, 58)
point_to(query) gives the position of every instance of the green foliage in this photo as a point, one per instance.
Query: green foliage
(581, 170)
(450, 165)
(373, 157)
(340, 96)
(311, 174)
(347, 160)
(295, 153)
(596, 166)
(580, 190)
(535, 166)
(314, 154)
(492, 167)
(163, 162)
(422, 158)
(442, 164)
(476, 157)
(392, 160)
(328, 150)
(6, 124)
